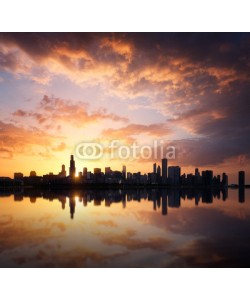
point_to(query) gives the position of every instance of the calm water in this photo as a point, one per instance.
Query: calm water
(135, 228)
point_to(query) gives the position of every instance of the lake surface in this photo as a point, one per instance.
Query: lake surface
(125, 228)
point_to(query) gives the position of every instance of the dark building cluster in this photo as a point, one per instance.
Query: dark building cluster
(163, 175)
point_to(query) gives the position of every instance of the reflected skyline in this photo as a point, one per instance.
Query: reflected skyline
(161, 198)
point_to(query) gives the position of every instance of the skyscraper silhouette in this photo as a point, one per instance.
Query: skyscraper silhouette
(72, 168)
(164, 169)
(159, 171)
(154, 168)
(241, 178)
(174, 174)
(84, 173)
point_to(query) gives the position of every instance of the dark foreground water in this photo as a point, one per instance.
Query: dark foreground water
(132, 228)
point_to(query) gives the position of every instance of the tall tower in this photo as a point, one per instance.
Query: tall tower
(241, 178)
(164, 169)
(72, 168)
(154, 168)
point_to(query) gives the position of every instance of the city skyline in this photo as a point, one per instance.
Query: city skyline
(157, 169)
(161, 175)
(189, 90)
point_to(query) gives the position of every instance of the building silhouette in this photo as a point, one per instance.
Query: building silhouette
(72, 168)
(18, 175)
(241, 178)
(63, 172)
(174, 173)
(32, 173)
(97, 170)
(107, 171)
(207, 178)
(159, 171)
(164, 169)
(154, 168)
(84, 172)
(197, 177)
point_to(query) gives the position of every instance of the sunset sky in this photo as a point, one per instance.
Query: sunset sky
(190, 90)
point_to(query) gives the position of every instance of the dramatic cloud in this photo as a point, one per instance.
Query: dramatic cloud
(131, 130)
(15, 140)
(56, 110)
(132, 63)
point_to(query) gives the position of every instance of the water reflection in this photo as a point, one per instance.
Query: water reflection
(161, 198)
(125, 228)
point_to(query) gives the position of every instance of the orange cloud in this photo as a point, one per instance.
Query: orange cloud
(118, 46)
(19, 140)
(60, 147)
(130, 132)
(54, 110)
(157, 130)
(119, 64)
